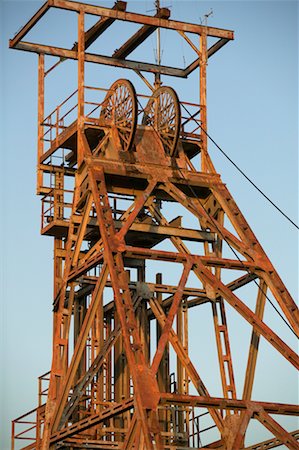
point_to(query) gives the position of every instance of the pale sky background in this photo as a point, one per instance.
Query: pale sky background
(252, 115)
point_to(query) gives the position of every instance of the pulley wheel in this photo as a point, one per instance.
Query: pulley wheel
(119, 109)
(163, 114)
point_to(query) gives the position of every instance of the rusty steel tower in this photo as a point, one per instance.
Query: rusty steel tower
(113, 167)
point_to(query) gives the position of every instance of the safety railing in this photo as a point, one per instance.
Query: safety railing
(66, 113)
(172, 383)
(198, 424)
(56, 205)
(43, 387)
(190, 116)
(190, 120)
(184, 424)
(28, 428)
(60, 118)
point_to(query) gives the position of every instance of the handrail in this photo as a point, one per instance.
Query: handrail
(43, 392)
(68, 112)
(45, 374)
(18, 436)
(33, 430)
(98, 105)
(49, 212)
(24, 415)
(95, 88)
(60, 119)
(61, 104)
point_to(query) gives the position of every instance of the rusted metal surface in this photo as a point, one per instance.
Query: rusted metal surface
(271, 443)
(140, 36)
(114, 383)
(140, 18)
(29, 25)
(100, 27)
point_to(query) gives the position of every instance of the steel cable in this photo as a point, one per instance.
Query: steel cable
(239, 259)
(219, 231)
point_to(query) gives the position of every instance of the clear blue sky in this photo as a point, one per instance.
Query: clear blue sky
(252, 114)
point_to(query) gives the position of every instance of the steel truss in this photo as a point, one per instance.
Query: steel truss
(111, 384)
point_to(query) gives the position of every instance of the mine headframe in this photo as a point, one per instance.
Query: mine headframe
(114, 166)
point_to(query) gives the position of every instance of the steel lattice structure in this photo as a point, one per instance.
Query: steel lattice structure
(112, 384)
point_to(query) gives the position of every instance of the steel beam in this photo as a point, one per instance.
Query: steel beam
(100, 26)
(29, 25)
(78, 351)
(140, 36)
(142, 19)
(226, 403)
(100, 59)
(113, 383)
(91, 421)
(271, 443)
(274, 427)
(209, 261)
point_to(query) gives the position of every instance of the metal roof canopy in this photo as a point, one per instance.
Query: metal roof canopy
(118, 58)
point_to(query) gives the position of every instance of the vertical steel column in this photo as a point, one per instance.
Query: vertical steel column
(58, 242)
(122, 376)
(119, 369)
(163, 371)
(79, 312)
(223, 348)
(97, 344)
(203, 98)
(255, 341)
(107, 367)
(143, 321)
(58, 265)
(81, 51)
(12, 435)
(182, 377)
(38, 427)
(40, 118)
(58, 195)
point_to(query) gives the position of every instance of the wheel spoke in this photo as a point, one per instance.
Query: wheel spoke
(163, 114)
(120, 108)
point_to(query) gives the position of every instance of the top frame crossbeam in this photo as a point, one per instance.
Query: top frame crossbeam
(140, 36)
(98, 28)
(106, 17)
(117, 14)
(29, 25)
(142, 19)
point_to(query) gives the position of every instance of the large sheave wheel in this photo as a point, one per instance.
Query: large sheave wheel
(163, 114)
(119, 109)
